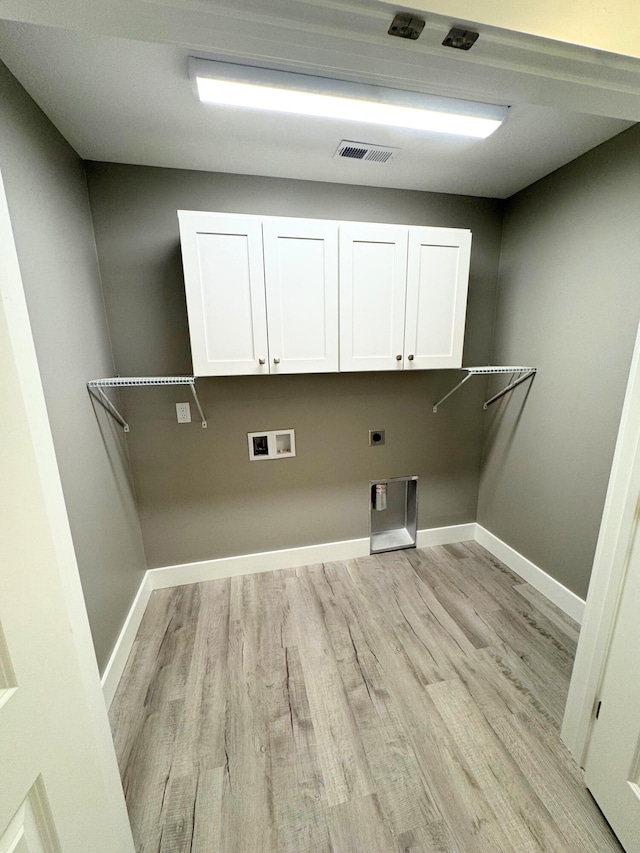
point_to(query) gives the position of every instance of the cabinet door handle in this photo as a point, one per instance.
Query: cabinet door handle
(261, 361)
(398, 358)
(410, 357)
(276, 361)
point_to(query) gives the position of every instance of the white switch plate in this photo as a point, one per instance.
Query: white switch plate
(183, 412)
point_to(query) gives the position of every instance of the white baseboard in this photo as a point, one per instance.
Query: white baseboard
(289, 558)
(445, 535)
(249, 564)
(122, 649)
(552, 589)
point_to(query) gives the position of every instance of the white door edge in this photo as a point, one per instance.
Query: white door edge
(15, 312)
(607, 576)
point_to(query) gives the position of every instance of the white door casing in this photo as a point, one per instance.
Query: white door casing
(224, 281)
(610, 563)
(60, 790)
(612, 768)
(373, 278)
(437, 284)
(301, 280)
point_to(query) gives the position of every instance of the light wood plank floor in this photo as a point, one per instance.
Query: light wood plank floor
(405, 702)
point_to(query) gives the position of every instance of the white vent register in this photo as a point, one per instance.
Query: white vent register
(365, 151)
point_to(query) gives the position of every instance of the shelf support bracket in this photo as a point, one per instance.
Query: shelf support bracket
(104, 401)
(509, 388)
(453, 390)
(192, 385)
(522, 374)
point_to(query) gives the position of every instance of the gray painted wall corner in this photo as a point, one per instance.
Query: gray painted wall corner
(48, 202)
(568, 304)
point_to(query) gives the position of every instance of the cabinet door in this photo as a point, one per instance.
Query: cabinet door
(224, 280)
(301, 272)
(373, 272)
(437, 282)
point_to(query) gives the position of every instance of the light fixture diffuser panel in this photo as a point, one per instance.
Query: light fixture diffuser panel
(226, 84)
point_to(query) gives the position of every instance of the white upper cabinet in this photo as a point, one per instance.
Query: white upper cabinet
(224, 280)
(285, 295)
(373, 278)
(437, 282)
(403, 296)
(262, 293)
(301, 272)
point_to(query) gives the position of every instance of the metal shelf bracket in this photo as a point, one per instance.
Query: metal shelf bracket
(518, 375)
(96, 387)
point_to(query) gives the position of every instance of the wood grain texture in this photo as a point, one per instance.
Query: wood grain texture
(406, 702)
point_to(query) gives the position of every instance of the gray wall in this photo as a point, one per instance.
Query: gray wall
(198, 495)
(48, 203)
(569, 303)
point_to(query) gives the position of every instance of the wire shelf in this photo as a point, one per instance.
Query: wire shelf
(95, 387)
(519, 374)
(130, 381)
(492, 369)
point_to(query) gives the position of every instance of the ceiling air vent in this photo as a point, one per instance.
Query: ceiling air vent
(365, 151)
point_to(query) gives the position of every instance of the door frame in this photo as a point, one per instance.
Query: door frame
(40, 445)
(619, 521)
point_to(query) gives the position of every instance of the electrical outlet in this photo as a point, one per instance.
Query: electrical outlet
(183, 412)
(376, 437)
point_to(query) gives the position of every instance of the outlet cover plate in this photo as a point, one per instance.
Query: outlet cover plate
(272, 444)
(183, 413)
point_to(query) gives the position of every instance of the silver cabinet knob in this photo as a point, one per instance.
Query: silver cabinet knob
(276, 361)
(410, 357)
(398, 358)
(261, 361)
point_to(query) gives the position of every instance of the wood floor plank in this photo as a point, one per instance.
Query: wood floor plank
(359, 827)
(511, 798)
(546, 771)
(340, 751)
(429, 838)
(408, 701)
(394, 768)
(246, 799)
(570, 628)
(457, 798)
(127, 711)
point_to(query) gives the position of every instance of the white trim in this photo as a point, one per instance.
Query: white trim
(445, 535)
(289, 558)
(609, 570)
(552, 589)
(107, 827)
(122, 649)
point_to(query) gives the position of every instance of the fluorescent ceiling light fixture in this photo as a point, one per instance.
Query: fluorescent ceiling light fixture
(225, 84)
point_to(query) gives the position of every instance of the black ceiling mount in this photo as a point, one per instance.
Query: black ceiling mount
(406, 26)
(460, 39)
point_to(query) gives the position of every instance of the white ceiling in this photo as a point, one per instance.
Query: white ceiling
(122, 98)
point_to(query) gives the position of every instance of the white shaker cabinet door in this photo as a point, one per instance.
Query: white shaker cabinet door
(301, 272)
(224, 280)
(373, 272)
(437, 282)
